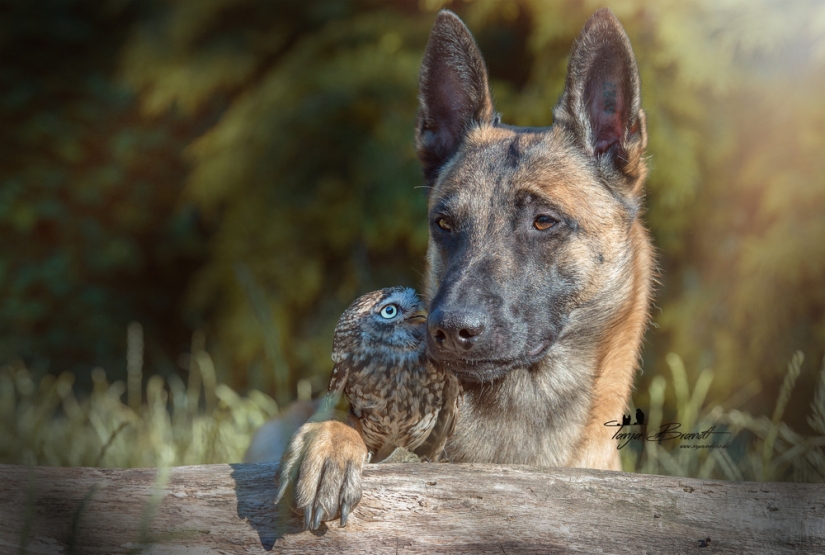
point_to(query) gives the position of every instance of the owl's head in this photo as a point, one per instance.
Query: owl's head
(391, 319)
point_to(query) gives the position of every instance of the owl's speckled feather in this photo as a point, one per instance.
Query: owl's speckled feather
(397, 396)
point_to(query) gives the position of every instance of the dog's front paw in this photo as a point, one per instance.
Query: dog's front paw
(321, 469)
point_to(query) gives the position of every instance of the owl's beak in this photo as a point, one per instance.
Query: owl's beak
(416, 317)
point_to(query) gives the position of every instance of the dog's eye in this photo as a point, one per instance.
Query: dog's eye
(389, 311)
(444, 224)
(544, 222)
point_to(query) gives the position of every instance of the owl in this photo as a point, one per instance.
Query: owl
(398, 398)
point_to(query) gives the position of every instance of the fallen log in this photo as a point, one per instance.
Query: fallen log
(406, 508)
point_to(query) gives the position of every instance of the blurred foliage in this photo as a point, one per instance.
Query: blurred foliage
(45, 423)
(238, 171)
(761, 448)
(93, 230)
(202, 422)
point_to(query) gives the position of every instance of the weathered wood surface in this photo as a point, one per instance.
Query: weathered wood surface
(406, 508)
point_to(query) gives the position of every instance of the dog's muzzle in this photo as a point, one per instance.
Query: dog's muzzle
(455, 334)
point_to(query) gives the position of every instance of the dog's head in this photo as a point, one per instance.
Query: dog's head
(529, 228)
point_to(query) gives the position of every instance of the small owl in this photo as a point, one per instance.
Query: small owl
(398, 398)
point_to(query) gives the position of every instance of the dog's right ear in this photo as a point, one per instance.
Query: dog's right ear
(454, 93)
(601, 102)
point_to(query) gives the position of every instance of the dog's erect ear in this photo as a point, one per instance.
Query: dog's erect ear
(453, 92)
(601, 102)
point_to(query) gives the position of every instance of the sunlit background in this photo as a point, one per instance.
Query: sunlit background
(191, 192)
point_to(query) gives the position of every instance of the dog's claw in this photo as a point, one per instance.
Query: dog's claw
(344, 513)
(319, 515)
(330, 483)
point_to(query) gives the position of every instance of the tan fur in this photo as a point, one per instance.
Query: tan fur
(564, 313)
(555, 171)
(618, 358)
(331, 449)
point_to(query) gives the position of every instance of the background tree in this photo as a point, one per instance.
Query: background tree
(92, 228)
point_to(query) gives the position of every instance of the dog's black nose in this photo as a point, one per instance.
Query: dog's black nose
(455, 332)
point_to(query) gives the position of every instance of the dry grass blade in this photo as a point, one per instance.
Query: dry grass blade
(794, 368)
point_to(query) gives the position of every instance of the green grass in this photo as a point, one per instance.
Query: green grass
(170, 423)
(45, 423)
(762, 448)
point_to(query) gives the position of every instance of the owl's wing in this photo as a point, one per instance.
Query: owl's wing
(433, 446)
(326, 408)
(338, 380)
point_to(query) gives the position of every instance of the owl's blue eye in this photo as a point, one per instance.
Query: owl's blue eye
(389, 311)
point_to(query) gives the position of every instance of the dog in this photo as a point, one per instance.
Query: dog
(539, 267)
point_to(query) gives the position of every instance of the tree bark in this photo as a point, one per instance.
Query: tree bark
(406, 508)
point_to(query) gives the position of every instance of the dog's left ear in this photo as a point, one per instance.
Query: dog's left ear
(454, 93)
(601, 103)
